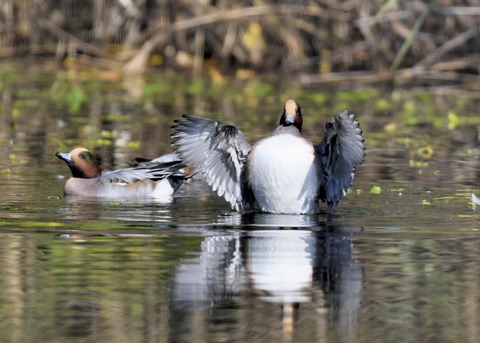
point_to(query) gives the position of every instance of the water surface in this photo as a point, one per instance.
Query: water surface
(401, 265)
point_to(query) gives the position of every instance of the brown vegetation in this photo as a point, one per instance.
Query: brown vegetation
(329, 41)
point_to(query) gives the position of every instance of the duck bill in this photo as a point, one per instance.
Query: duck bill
(65, 156)
(289, 120)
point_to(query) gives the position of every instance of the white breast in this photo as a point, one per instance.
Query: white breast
(282, 175)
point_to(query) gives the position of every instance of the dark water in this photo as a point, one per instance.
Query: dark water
(399, 266)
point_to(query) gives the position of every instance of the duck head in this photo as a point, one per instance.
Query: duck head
(292, 115)
(82, 163)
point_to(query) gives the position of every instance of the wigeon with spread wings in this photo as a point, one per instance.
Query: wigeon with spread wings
(145, 180)
(282, 173)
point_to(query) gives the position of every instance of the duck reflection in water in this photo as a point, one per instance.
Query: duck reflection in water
(303, 273)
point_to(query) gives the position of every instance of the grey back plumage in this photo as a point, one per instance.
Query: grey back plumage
(154, 171)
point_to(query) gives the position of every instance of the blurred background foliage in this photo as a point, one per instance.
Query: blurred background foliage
(324, 41)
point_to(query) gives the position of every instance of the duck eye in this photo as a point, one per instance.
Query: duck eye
(85, 156)
(329, 125)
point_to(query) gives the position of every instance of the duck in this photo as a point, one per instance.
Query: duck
(284, 173)
(146, 179)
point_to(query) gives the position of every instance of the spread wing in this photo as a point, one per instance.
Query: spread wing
(340, 151)
(218, 150)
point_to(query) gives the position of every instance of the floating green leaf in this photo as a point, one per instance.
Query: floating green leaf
(382, 105)
(453, 120)
(425, 152)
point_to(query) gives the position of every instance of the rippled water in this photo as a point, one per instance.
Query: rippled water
(399, 266)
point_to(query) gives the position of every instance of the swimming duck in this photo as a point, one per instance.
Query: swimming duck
(282, 173)
(144, 180)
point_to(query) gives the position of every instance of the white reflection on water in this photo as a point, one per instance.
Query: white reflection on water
(82, 208)
(284, 268)
(280, 264)
(270, 220)
(216, 275)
